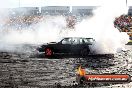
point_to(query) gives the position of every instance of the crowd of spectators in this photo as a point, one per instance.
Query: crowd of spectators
(71, 21)
(123, 23)
(22, 20)
(25, 21)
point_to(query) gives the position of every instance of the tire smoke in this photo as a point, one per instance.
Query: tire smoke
(51, 28)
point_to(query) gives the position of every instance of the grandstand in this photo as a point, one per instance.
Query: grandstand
(25, 16)
(83, 10)
(124, 22)
(55, 10)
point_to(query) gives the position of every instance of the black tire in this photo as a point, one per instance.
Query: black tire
(82, 81)
(84, 52)
(48, 52)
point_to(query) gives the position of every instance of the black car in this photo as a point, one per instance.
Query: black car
(68, 45)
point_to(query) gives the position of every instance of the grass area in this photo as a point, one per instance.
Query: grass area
(129, 43)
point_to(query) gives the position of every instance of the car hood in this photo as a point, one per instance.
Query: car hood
(52, 43)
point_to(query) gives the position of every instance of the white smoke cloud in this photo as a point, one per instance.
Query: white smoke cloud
(100, 26)
(42, 32)
(47, 30)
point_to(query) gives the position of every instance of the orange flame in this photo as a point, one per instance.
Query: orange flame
(81, 71)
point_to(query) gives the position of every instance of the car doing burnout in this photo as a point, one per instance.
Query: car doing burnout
(68, 45)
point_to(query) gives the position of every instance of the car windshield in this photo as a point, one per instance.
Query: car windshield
(67, 41)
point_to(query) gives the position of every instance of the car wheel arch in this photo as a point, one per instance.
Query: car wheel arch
(51, 50)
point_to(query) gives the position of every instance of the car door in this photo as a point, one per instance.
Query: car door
(82, 43)
(75, 47)
(88, 43)
(65, 45)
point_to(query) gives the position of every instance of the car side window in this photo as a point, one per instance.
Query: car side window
(67, 41)
(88, 41)
(82, 41)
(75, 41)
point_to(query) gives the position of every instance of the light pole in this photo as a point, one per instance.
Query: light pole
(19, 3)
(126, 3)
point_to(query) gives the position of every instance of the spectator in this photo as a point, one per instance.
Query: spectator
(123, 23)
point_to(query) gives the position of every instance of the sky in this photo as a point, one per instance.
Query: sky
(39, 3)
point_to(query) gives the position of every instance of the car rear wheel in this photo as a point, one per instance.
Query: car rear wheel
(82, 81)
(48, 52)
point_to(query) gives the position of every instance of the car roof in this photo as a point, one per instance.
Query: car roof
(78, 37)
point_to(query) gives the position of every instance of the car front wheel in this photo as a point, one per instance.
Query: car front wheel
(82, 81)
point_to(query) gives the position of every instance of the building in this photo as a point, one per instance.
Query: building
(130, 10)
(55, 10)
(28, 11)
(83, 10)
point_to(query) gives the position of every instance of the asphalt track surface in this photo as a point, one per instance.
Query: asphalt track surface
(22, 70)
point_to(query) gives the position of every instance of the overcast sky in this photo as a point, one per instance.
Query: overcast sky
(39, 3)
